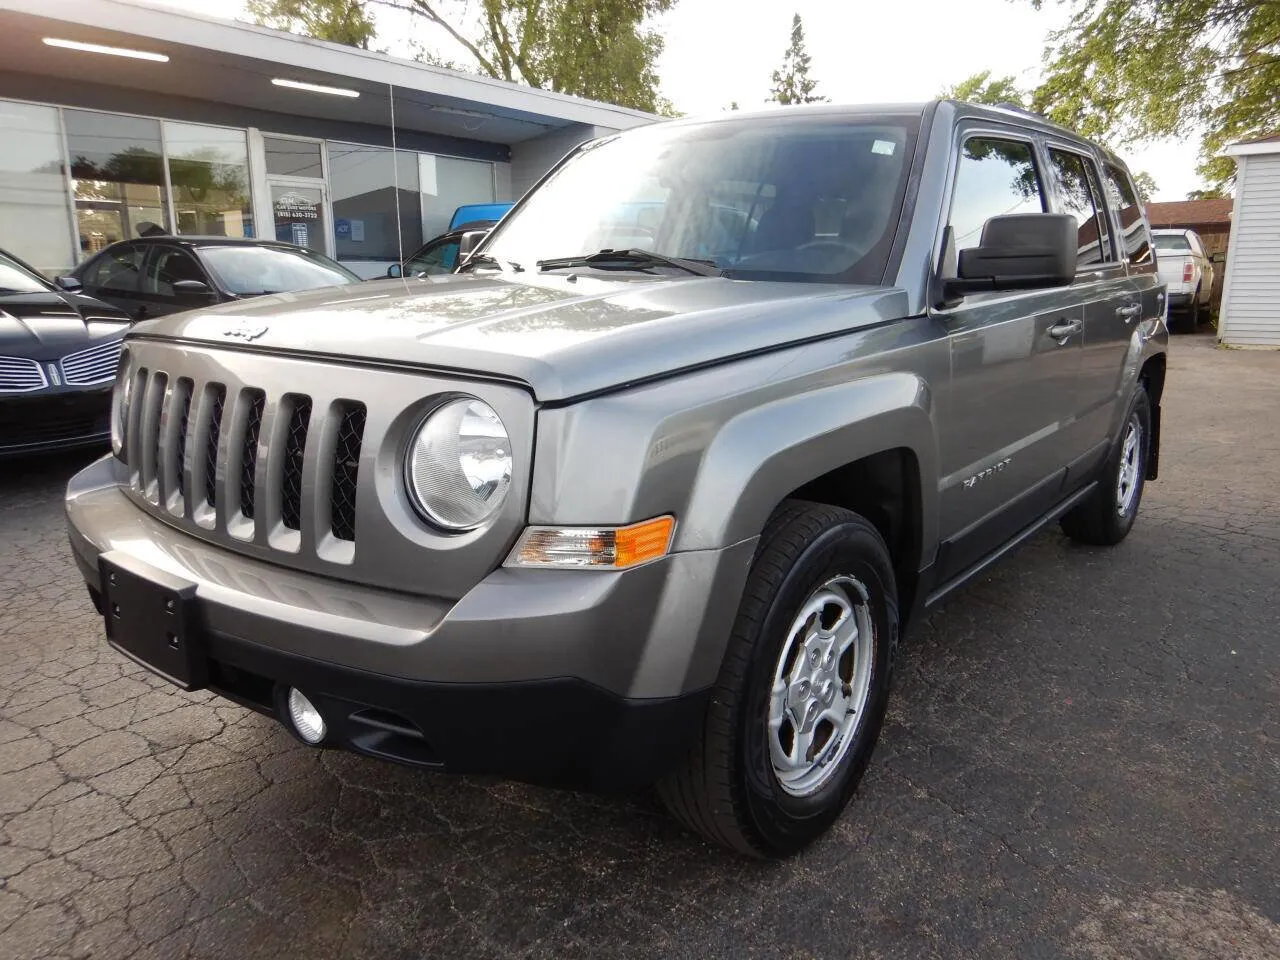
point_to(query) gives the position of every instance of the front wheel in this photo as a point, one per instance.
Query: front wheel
(1106, 516)
(802, 691)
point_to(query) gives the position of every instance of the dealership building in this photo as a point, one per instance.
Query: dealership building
(119, 119)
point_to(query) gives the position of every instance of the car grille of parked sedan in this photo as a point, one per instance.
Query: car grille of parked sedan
(20, 375)
(287, 471)
(94, 365)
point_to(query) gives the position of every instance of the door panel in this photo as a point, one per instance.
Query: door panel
(1010, 425)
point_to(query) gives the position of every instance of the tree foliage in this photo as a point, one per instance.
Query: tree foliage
(981, 88)
(1145, 184)
(791, 81)
(338, 21)
(1130, 70)
(602, 49)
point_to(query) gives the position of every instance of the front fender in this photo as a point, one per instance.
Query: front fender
(763, 454)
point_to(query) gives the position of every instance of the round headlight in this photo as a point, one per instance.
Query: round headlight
(459, 465)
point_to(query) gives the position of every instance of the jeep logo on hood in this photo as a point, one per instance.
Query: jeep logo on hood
(245, 331)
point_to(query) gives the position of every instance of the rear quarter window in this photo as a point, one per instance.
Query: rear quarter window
(1135, 239)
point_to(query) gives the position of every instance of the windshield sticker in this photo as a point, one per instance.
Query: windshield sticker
(883, 146)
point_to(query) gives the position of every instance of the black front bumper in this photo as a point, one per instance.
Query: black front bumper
(46, 421)
(561, 732)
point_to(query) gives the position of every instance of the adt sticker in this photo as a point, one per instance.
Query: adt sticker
(885, 147)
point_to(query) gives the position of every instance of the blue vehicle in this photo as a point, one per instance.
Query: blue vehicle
(478, 211)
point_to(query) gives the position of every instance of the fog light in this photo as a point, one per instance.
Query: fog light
(305, 717)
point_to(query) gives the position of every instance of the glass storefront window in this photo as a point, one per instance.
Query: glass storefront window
(117, 171)
(364, 188)
(449, 183)
(33, 195)
(292, 158)
(299, 215)
(209, 173)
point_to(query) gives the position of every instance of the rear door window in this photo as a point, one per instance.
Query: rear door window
(1135, 240)
(1078, 194)
(995, 177)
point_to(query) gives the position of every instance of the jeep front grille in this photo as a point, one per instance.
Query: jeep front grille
(274, 458)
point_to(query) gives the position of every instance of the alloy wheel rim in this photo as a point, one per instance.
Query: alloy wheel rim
(1130, 462)
(821, 685)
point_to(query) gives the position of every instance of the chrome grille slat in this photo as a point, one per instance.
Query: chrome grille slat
(20, 375)
(97, 364)
(149, 435)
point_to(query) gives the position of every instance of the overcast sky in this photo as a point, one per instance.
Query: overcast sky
(719, 51)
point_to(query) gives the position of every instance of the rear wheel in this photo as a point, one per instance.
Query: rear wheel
(802, 691)
(1193, 311)
(1106, 516)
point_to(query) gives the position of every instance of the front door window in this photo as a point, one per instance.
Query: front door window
(299, 215)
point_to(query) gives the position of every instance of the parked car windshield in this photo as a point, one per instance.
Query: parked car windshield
(14, 278)
(1172, 241)
(251, 270)
(787, 198)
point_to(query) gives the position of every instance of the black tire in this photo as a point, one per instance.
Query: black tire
(1193, 311)
(726, 787)
(1180, 321)
(1098, 520)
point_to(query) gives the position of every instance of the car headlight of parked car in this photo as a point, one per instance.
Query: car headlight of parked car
(458, 468)
(121, 394)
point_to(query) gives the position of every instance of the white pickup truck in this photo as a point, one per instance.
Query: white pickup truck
(1186, 268)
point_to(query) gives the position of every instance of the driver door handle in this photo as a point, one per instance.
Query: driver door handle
(1131, 312)
(1061, 331)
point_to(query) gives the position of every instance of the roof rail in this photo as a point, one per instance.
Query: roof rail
(1018, 108)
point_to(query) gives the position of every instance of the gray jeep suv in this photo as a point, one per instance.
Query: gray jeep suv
(651, 489)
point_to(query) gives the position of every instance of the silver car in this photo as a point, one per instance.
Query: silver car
(652, 488)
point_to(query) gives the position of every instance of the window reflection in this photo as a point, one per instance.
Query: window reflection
(118, 176)
(33, 196)
(209, 172)
(369, 190)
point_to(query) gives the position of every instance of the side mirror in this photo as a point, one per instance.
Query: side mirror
(69, 284)
(193, 290)
(1218, 258)
(394, 271)
(1020, 251)
(469, 241)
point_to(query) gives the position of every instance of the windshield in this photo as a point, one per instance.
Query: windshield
(1172, 241)
(248, 270)
(787, 198)
(17, 279)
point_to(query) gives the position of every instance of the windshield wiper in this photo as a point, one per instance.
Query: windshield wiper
(484, 260)
(632, 258)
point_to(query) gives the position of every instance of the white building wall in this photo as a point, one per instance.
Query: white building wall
(530, 159)
(1251, 292)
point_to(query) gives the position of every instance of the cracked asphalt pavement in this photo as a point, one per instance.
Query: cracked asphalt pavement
(1082, 760)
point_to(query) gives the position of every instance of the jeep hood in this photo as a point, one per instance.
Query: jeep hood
(561, 336)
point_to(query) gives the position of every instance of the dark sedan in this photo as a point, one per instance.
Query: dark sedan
(439, 255)
(156, 275)
(58, 356)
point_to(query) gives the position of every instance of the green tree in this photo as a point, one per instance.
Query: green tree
(981, 88)
(338, 21)
(791, 81)
(1131, 70)
(602, 49)
(1212, 193)
(1146, 185)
